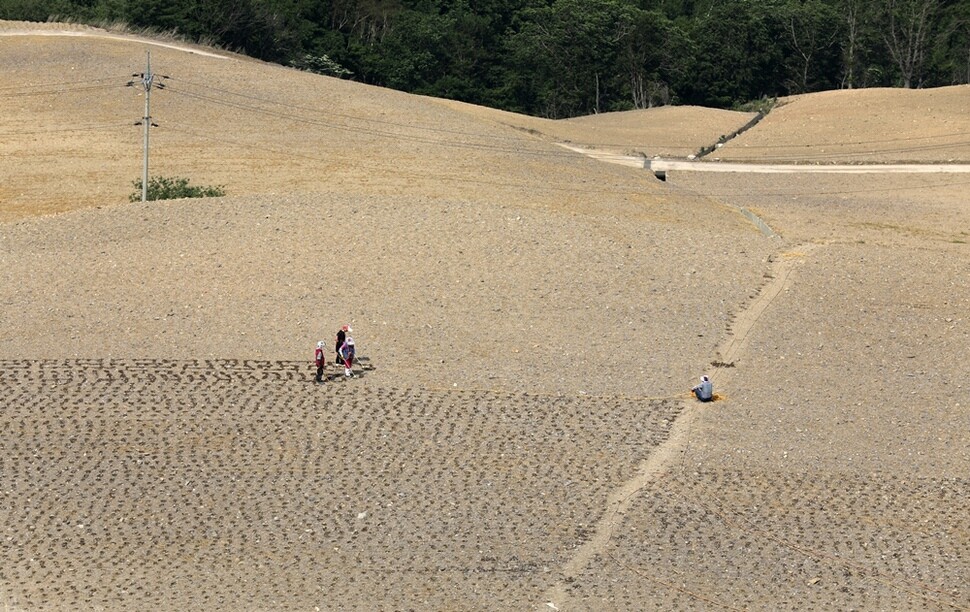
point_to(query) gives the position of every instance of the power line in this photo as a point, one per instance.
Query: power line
(86, 128)
(174, 127)
(148, 81)
(51, 92)
(856, 142)
(63, 83)
(496, 147)
(600, 144)
(89, 84)
(843, 154)
(370, 132)
(95, 84)
(435, 129)
(546, 187)
(781, 194)
(333, 113)
(383, 168)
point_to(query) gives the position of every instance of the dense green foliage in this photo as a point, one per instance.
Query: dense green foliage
(171, 188)
(561, 58)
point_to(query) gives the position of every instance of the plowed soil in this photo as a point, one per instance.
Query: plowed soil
(518, 433)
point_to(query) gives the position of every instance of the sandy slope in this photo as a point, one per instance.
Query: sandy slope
(257, 128)
(667, 131)
(530, 319)
(862, 126)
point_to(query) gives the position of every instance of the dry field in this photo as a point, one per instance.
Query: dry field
(518, 435)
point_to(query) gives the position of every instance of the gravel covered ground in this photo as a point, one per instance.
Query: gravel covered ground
(518, 433)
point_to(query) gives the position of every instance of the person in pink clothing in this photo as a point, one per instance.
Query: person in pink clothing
(347, 354)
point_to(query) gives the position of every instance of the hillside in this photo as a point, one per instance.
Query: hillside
(519, 431)
(862, 126)
(252, 127)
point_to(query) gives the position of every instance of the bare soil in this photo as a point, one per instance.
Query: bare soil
(861, 126)
(529, 319)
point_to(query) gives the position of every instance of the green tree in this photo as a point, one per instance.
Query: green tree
(739, 57)
(406, 55)
(950, 59)
(561, 58)
(110, 10)
(35, 10)
(908, 29)
(813, 31)
(655, 59)
(564, 55)
(165, 15)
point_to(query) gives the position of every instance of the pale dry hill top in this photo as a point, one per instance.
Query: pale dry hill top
(666, 131)
(69, 139)
(861, 126)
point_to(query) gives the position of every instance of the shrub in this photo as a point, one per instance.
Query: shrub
(171, 188)
(763, 106)
(320, 64)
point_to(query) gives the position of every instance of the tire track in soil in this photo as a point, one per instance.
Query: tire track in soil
(779, 274)
(674, 449)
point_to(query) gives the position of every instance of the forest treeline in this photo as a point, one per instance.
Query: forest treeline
(562, 58)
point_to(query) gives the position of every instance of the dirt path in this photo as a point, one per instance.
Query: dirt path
(619, 502)
(667, 165)
(676, 446)
(779, 273)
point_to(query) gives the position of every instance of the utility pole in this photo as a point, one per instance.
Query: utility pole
(147, 81)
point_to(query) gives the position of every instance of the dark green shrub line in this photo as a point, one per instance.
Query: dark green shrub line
(173, 188)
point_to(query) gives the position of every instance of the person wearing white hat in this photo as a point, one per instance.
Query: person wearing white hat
(705, 390)
(347, 353)
(320, 361)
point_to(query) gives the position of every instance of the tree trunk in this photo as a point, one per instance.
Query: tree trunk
(910, 23)
(852, 32)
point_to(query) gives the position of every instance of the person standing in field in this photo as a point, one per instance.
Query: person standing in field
(320, 361)
(341, 336)
(347, 352)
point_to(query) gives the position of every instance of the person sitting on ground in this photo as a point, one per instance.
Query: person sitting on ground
(705, 390)
(347, 353)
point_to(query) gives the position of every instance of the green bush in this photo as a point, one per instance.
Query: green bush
(171, 188)
(320, 64)
(763, 105)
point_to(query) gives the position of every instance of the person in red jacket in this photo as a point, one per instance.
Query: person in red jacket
(320, 361)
